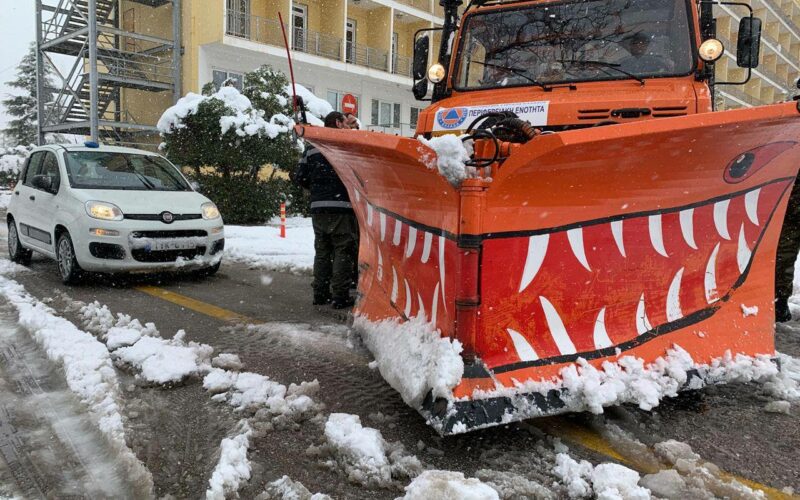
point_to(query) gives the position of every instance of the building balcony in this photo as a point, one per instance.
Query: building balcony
(268, 31)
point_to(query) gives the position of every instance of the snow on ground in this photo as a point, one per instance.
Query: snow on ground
(447, 485)
(5, 198)
(363, 455)
(233, 468)
(157, 360)
(262, 247)
(286, 489)
(605, 481)
(413, 357)
(87, 367)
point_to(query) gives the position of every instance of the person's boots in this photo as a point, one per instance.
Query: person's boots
(782, 313)
(342, 302)
(321, 300)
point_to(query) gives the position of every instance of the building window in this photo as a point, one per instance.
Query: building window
(220, 77)
(239, 18)
(299, 26)
(385, 114)
(350, 40)
(414, 116)
(335, 100)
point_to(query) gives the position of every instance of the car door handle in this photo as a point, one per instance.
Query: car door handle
(32, 198)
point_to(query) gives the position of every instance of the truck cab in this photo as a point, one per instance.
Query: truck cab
(562, 65)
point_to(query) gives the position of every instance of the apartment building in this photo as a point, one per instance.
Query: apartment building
(364, 48)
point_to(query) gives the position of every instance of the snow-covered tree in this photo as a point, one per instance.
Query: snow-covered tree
(22, 128)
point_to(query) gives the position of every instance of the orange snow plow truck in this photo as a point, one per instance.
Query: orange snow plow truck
(571, 200)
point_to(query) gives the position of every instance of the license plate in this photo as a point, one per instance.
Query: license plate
(158, 246)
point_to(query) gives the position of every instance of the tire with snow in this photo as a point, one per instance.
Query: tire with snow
(208, 271)
(16, 252)
(68, 266)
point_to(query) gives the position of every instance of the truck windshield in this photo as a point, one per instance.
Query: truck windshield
(550, 43)
(107, 170)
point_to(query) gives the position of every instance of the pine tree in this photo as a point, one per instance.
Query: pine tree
(22, 128)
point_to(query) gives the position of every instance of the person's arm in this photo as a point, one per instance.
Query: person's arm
(300, 176)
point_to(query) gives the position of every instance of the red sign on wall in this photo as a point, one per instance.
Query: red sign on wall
(349, 104)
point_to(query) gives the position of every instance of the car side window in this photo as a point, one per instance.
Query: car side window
(50, 169)
(34, 167)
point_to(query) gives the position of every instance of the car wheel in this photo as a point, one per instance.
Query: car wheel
(209, 271)
(68, 265)
(16, 252)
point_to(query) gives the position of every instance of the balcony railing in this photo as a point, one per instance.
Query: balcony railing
(268, 31)
(368, 56)
(401, 65)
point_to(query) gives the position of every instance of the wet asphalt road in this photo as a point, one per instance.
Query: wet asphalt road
(176, 431)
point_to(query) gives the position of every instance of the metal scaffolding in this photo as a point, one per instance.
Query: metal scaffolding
(104, 62)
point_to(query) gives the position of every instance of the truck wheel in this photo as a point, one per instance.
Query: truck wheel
(16, 252)
(68, 266)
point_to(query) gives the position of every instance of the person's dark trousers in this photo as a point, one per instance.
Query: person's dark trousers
(788, 248)
(335, 240)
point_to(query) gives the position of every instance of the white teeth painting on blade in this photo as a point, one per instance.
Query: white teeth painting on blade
(676, 264)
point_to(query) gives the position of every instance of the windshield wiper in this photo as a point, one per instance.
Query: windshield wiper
(150, 186)
(603, 64)
(516, 71)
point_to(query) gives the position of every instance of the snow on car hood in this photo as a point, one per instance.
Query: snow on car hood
(146, 202)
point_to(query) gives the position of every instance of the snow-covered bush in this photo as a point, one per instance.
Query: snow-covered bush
(11, 161)
(227, 136)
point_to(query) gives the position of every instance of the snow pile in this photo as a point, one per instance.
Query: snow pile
(243, 119)
(451, 155)
(87, 367)
(257, 394)
(12, 159)
(606, 481)
(286, 489)
(227, 361)
(158, 360)
(695, 478)
(262, 247)
(5, 198)
(363, 455)
(233, 468)
(413, 357)
(447, 485)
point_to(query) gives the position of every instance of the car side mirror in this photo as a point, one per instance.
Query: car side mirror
(195, 185)
(43, 182)
(748, 44)
(421, 50)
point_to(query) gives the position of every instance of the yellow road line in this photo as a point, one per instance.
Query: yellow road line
(197, 305)
(579, 435)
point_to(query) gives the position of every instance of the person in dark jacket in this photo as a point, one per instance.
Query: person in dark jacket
(788, 247)
(335, 225)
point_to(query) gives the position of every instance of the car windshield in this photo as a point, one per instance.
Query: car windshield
(110, 170)
(576, 41)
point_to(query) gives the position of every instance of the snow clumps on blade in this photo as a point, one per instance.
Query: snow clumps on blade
(447, 485)
(605, 481)
(286, 489)
(317, 108)
(233, 468)
(451, 156)
(87, 367)
(363, 455)
(413, 357)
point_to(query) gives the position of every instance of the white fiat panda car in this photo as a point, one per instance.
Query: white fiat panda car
(110, 209)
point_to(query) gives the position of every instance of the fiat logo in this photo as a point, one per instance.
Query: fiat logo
(167, 217)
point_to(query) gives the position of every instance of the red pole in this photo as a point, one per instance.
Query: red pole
(291, 69)
(283, 220)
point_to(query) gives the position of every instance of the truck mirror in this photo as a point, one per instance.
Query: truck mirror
(748, 45)
(420, 89)
(421, 49)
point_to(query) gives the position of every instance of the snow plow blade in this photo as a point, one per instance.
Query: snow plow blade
(584, 247)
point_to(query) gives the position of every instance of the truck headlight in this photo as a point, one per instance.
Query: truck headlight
(711, 50)
(103, 211)
(210, 211)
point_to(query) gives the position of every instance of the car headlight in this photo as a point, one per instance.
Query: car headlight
(103, 211)
(210, 211)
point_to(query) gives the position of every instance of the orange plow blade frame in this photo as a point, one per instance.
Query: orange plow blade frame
(583, 246)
